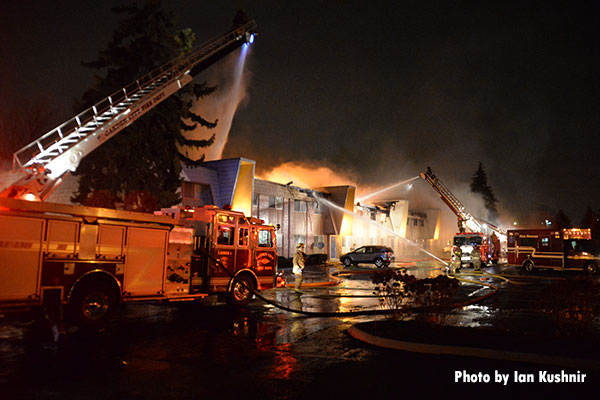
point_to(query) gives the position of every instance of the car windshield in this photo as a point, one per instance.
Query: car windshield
(467, 240)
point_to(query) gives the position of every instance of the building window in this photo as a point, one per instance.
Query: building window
(374, 215)
(299, 239)
(317, 208)
(276, 202)
(299, 205)
(255, 199)
(195, 194)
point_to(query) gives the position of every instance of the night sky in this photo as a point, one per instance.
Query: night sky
(378, 90)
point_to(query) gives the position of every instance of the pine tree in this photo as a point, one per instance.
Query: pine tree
(591, 219)
(140, 167)
(561, 221)
(479, 185)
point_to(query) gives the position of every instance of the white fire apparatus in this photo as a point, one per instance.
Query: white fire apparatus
(484, 236)
(94, 258)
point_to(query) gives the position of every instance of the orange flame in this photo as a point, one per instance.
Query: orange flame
(310, 176)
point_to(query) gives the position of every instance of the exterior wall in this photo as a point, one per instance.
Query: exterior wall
(300, 217)
(242, 194)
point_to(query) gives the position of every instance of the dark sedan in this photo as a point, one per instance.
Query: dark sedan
(378, 255)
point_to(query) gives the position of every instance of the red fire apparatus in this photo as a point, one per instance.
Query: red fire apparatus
(93, 258)
(483, 236)
(553, 249)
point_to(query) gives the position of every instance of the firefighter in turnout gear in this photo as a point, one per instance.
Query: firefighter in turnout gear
(456, 262)
(298, 266)
(476, 258)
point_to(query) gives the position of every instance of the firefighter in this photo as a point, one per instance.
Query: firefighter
(476, 258)
(298, 266)
(456, 260)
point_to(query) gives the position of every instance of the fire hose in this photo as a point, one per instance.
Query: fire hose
(323, 314)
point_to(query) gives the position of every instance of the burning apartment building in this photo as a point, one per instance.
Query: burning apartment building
(327, 219)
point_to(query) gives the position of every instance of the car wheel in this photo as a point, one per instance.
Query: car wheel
(241, 290)
(379, 262)
(347, 262)
(529, 266)
(591, 268)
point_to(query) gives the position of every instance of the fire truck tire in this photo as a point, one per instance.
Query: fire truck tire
(379, 263)
(529, 266)
(93, 303)
(591, 268)
(239, 295)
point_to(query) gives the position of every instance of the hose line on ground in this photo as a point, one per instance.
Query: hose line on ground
(345, 313)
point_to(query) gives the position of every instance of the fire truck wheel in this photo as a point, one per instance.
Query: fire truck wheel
(239, 295)
(529, 266)
(93, 303)
(379, 262)
(591, 268)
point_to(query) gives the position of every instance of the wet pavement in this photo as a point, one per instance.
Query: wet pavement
(193, 351)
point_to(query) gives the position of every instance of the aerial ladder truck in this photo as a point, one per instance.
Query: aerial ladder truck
(93, 258)
(477, 241)
(45, 162)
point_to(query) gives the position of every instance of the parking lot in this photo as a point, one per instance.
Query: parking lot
(155, 351)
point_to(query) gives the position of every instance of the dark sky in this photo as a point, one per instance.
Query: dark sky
(376, 89)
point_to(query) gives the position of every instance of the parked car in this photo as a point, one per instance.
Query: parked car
(378, 255)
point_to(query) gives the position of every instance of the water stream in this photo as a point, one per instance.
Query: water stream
(379, 226)
(365, 197)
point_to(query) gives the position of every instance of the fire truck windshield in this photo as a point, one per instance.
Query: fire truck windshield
(467, 240)
(577, 245)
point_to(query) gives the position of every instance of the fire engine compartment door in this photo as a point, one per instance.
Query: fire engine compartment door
(20, 254)
(61, 239)
(145, 261)
(110, 242)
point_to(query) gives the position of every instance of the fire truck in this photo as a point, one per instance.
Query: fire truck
(483, 236)
(567, 249)
(93, 258)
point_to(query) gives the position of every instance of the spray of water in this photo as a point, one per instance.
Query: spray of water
(221, 105)
(379, 226)
(372, 194)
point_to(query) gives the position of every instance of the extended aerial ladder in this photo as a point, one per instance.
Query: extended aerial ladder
(465, 219)
(47, 160)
